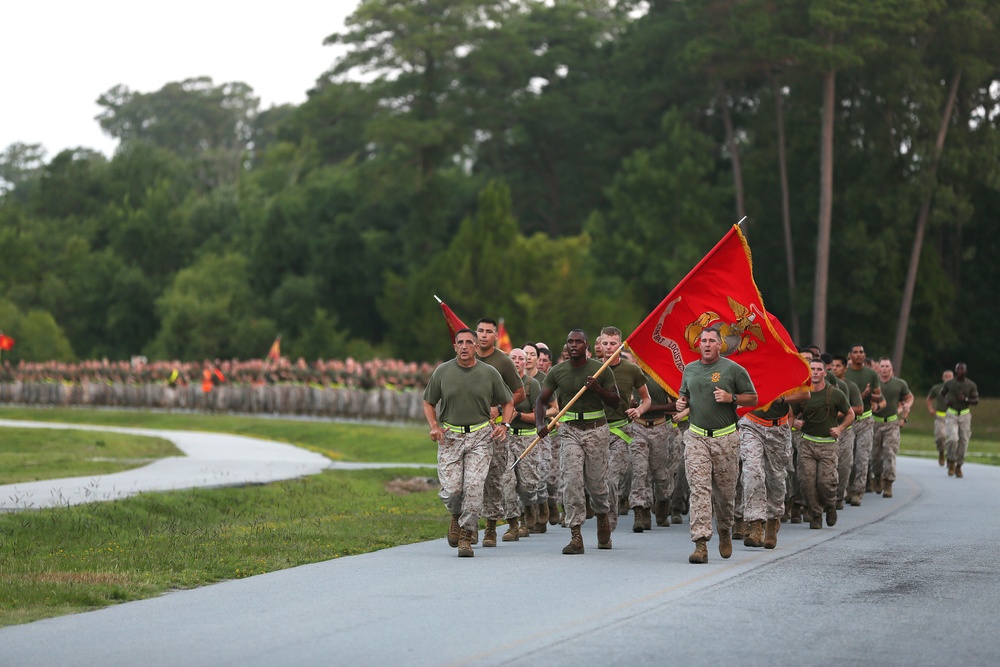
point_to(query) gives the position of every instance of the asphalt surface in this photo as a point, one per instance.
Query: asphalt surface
(911, 580)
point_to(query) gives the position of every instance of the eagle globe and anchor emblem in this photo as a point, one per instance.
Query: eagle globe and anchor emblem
(743, 335)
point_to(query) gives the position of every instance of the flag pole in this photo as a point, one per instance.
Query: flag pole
(555, 420)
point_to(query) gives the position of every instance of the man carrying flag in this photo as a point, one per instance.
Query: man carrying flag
(720, 295)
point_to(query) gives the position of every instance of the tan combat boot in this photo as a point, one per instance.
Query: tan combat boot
(490, 534)
(603, 531)
(541, 518)
(513, 531)
(647, 518)
(887, 489)
(637, 523)
(951, 468)
(454, 531)
(465, 544)
(958, 470)
(755, 535)
(553, 511)
(739, 529)
(941, 459)
(662, 511)
(771, 533)
(725, 542)
(676, 519)
(700, 554)
(877, 485)
(575, 545)
(527, 521)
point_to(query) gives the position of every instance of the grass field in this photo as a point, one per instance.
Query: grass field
(72, 559)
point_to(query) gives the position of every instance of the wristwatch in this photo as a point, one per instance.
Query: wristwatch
(734, 399)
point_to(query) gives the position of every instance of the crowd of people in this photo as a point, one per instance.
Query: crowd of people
(335, 373)
(626, 445)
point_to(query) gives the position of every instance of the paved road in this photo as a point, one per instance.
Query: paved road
(912, 580)
(210, 460)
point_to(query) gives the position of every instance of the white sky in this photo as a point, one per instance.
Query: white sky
(58, 56)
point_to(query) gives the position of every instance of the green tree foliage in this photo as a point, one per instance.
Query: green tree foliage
(37, 334)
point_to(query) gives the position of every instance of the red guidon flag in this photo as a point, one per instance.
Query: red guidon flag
(451, 319)
(274, 354)
(720, 293)
(6, 342)
(503, 339)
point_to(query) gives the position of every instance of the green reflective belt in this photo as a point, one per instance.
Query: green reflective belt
(581, 416)
(616, 428)
(713, 432)
(464, 429)
(953, 411)
(865, 415)
(940, 414)
(885, 420)
(815, 438)
(524, 431)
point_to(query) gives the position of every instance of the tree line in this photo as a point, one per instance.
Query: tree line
(555, 163)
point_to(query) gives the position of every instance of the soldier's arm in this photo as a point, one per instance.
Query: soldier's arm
(644, 403)
(430, 414)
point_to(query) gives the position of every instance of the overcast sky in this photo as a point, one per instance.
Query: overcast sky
(59, 56)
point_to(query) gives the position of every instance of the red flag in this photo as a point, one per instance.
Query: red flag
(6, 342)
(451, 319)
(274, 354)
(503, 339)
(720, 293)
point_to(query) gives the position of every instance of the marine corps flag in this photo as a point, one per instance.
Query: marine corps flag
(720, 293)
(274, 354)
(451, 319)
(6, 342)
(503, 339)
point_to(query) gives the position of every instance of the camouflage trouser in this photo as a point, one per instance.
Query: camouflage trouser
(959, 430)
(553, 481)
(583, 463)
(494, 505)
(817, 472)
(618, 465)
(679, 499)
(528, 480)
(463, 461)
(941, 433)
(845, 461)
(661, 463)
(712, 466)
(792, 494)
(764, 450)
(885, 447)
(863, 435)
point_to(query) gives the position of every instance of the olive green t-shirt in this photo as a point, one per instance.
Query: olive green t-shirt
(657, 396)
(628, 377)
(820, 412)
(953, 389)
(853, 394)
(934, 396)
(506, 368)
(466, 394)
(863, 377)
(531, 391)
(566, 380)
(699, 383)
(893, 391)
(777, 410)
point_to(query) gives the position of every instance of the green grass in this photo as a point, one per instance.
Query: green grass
(72, 559)
(29, 454)
(407, 443)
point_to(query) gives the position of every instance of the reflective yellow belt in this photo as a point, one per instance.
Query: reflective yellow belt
(713, 432)
(464, 429)
(674, 424)
(940, 414)
(816, 438)
(581, 416)
(616, 428)
(953, 411)
(524, 431)
(865, 415)
(885, 420)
